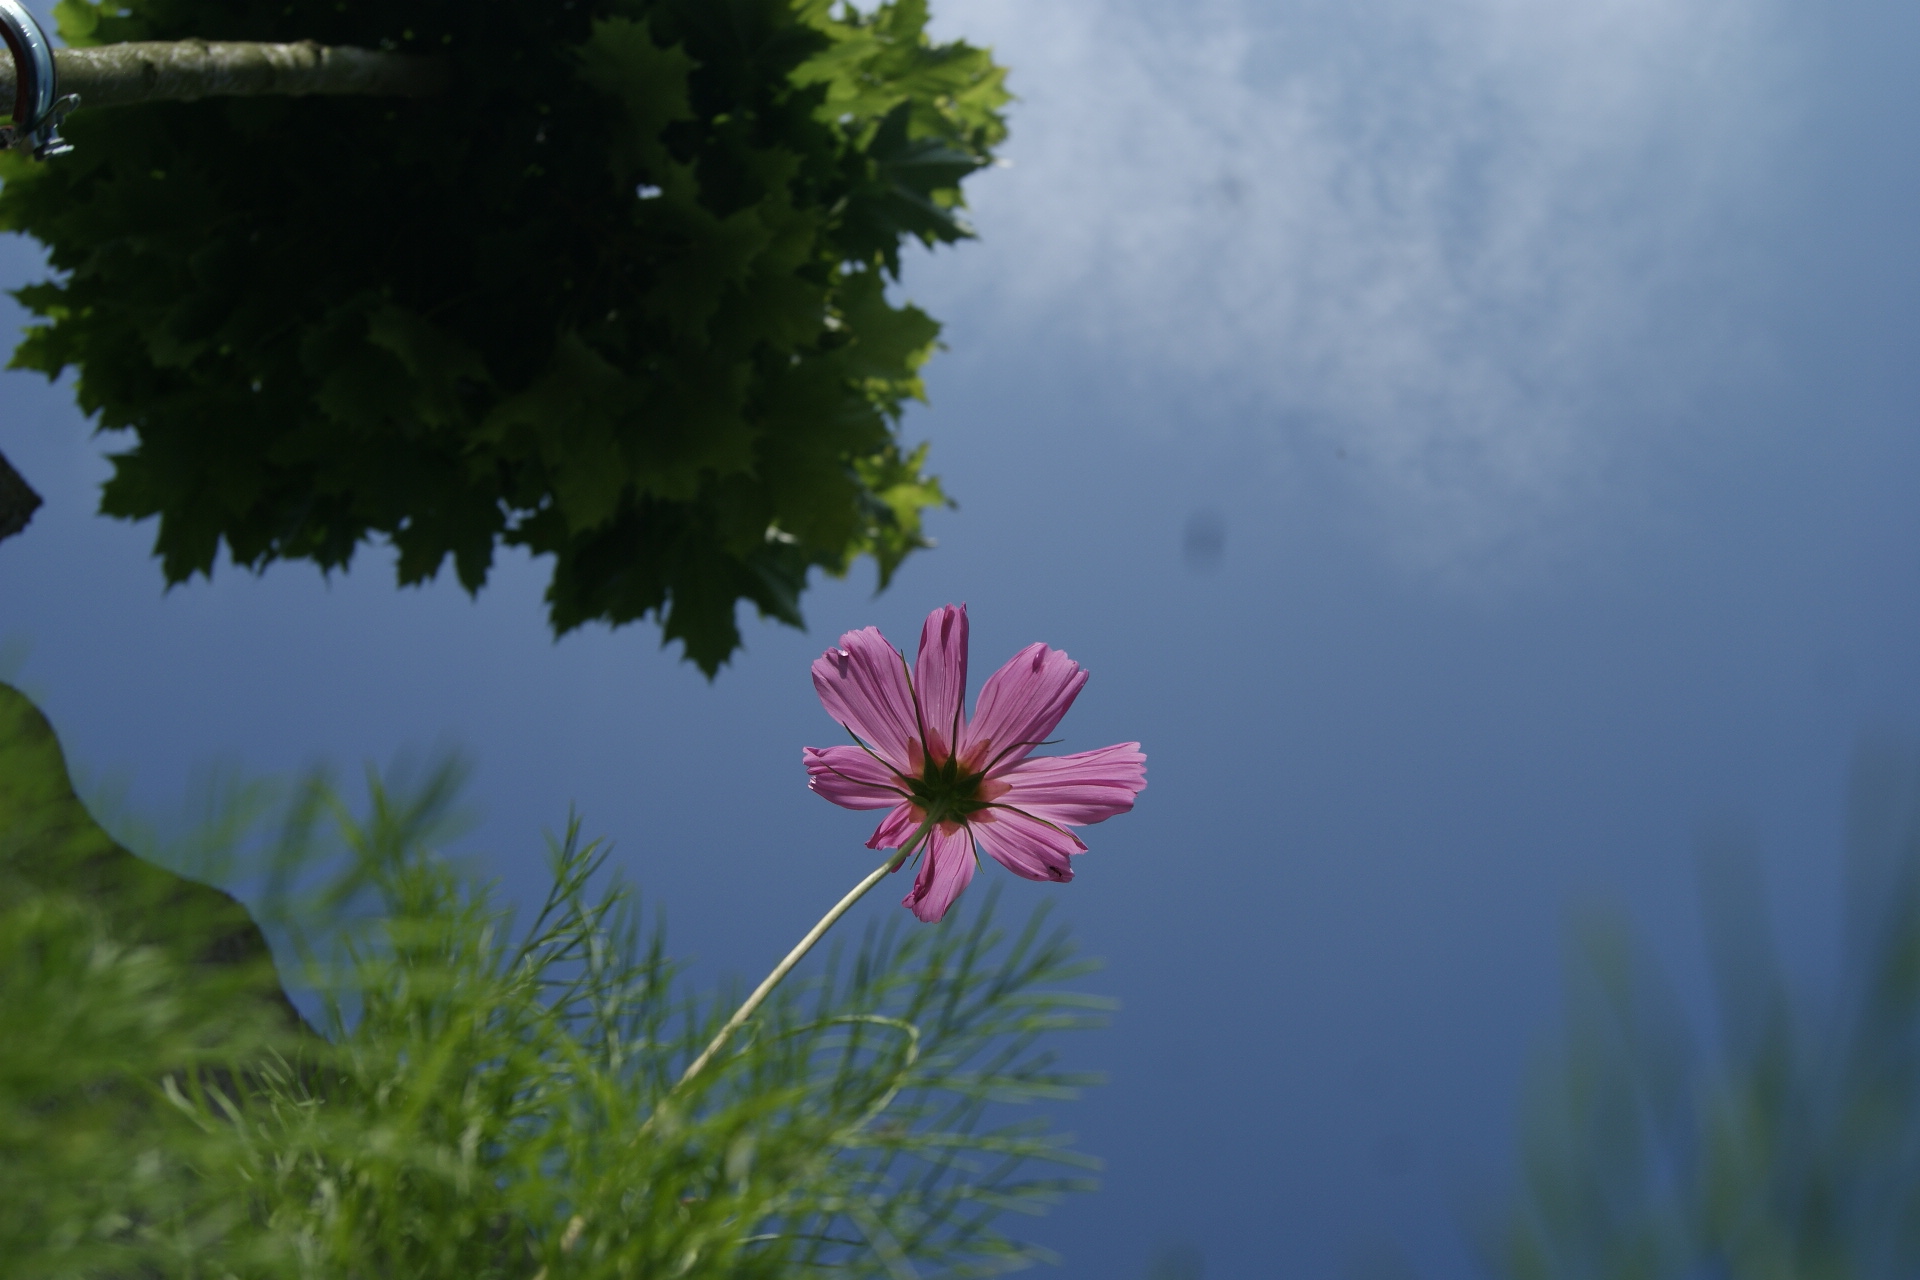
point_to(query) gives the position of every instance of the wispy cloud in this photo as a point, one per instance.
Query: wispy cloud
(1466, 240)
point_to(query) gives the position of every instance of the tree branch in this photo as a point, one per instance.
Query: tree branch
(184, 70)
(18, 501)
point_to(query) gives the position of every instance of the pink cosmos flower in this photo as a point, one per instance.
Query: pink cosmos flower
(955, 786)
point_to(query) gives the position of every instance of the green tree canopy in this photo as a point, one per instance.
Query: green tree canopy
(618, 296)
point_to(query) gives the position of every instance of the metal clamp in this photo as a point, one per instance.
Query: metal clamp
(38, 107)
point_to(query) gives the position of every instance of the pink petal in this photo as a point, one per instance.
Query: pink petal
(940, 678)
(1025, 845)
(896, 828)
(945, 869)
(1083, 788)
(852, 778)
(863, 685)
(1020, 705)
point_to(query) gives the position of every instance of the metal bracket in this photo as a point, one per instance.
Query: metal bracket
(38, 107)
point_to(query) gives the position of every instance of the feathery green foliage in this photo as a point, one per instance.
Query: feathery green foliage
(618, 298)
(496, 1101)
(1791, 1152)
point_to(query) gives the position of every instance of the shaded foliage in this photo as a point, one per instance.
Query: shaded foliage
(50, 845)
(618, 298)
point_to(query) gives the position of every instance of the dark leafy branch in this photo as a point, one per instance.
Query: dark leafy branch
(18, 501)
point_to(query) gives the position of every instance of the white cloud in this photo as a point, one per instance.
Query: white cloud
(1464, 239)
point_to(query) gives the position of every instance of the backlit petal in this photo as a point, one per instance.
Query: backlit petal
(852, 778)
(945, 869)
(1083, 788)
(863, 685)
(896, 828)
(1025, 845)
(1020, 705)
(940, 677)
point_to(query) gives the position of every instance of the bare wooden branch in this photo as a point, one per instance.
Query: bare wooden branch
(18, 501)
(185, 70)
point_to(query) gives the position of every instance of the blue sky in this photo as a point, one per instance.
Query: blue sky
(1546, 376)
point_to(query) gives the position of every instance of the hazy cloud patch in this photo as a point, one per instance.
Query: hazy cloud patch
(1472, 241)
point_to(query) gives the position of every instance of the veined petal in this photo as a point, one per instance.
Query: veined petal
(1083, 788)
(1019, 706)
(896, 828)
(852, 778)
(940, 678)
(945, 869)
(1025, 845)
(863, 685)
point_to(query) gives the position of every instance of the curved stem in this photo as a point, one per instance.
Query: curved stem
(781, 970)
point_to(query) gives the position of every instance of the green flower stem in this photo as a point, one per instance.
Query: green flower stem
(781, 970)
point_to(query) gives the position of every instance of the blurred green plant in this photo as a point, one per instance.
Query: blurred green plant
(1791, 1149)
(487, 1100)
(617, 296)
(14, 651)
(1179, 1261)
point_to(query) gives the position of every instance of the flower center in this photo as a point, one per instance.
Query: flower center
(945, 794)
